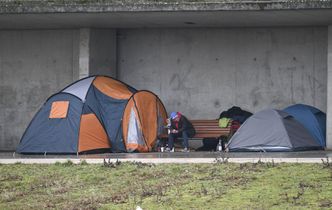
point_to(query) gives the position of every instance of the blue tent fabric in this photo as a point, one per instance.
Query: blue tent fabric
(109, 111)
(45, 135)
(312, 119)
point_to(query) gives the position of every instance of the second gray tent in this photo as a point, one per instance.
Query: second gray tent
(272, 130)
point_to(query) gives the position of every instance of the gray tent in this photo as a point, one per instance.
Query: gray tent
(272, 130)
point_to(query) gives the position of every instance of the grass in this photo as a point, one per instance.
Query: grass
(166, 186)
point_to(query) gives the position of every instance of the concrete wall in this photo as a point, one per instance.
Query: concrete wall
(33, 65)
(201, 72)
(103, 52)
(197, 71)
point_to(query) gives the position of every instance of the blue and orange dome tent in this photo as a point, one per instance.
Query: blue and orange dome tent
(95, 114)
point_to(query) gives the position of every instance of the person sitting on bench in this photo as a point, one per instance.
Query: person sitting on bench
(180, 127)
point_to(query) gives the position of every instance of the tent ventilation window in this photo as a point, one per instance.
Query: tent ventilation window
(59, 110)
(134, 131)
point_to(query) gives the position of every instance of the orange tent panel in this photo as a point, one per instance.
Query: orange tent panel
(140, 148)
(162, 113)
(112, 88)
(92, 134)
(146, 104)
(59, 109)
(147, 107)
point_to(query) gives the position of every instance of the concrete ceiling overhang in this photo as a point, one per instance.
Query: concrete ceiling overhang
(244, 14)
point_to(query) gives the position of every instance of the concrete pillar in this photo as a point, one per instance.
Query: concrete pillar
(97, 52)
(84, 52)
(329, 91)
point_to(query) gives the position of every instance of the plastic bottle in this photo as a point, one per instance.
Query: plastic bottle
(168, 126)
(219, 146)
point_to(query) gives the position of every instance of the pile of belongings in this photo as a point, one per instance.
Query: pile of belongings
(232, 118)
(236, 114)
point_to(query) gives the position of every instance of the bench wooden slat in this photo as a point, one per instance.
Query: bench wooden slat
(197, 124)
(205, 124)
(223, 131)
(226, 131)
(206, 135)
(208, 121)
(207, 129)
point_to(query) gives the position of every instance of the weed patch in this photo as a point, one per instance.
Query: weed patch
(83, 163)
(326, 163)
(325, 203)
(10, 177)
(109, 164)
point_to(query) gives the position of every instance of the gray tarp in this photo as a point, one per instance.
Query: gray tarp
(272, 130)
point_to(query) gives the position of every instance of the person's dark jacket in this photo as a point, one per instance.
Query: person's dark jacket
(184, 125)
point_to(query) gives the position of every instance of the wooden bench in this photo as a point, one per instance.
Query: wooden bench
(207, 129)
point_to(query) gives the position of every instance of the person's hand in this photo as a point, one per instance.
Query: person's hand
(175, 131)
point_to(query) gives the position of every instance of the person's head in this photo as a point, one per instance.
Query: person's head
(175, 116)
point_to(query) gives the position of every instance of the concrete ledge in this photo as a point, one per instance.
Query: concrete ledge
(102, 6)
(165, 160)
